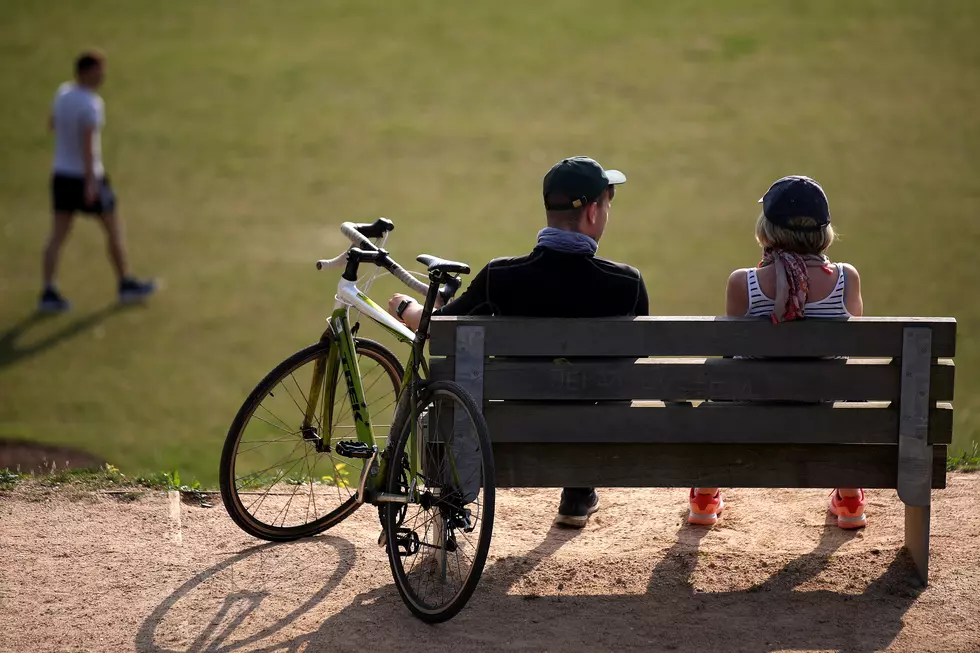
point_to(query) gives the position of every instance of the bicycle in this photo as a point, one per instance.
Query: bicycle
(432, 481)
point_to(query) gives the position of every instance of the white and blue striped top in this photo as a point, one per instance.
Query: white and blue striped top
(830, 306)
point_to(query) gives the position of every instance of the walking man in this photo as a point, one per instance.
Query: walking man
(79, 182)
(561, 277)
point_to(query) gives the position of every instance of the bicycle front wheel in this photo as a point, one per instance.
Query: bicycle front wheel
(281, 481)
(438, 542)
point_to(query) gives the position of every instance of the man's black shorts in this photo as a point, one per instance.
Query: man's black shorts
(68, 196)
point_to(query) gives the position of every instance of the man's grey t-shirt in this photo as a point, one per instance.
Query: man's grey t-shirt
(74, 109)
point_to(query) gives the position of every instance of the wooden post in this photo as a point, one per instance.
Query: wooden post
(914, 452)
(917, 538)
(469, 361)
(469, 374)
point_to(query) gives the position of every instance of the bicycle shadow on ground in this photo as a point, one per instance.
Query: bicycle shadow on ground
(776, 614)
(241, 584)
(11, 352)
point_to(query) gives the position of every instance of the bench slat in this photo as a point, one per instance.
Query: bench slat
(878, 337)
(678, 465)
(520, 422)
(618, 379)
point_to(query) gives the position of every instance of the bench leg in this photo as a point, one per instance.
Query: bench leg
(917, 538)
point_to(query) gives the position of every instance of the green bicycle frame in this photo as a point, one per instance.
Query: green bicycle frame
(343, 359)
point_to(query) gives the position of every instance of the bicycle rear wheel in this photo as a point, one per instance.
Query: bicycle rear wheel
(281, 483)
(438, 544)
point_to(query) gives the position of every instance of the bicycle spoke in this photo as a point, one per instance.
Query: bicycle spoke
(261, 442)
(284, 511)
(306, 402)
(273, 452)
(276, 417)
(437, 578)
(316, 514)
(282, 461)
(266, 493)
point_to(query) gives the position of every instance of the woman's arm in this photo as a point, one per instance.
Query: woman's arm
(853, 301)
(737, 302)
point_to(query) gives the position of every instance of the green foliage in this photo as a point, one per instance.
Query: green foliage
(164, 481)
(965, 461)
(341, 478)
(85, 478)
(8, 479)
(240, 135)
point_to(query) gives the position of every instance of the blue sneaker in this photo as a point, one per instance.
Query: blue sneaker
(132, 290)
(52, 302)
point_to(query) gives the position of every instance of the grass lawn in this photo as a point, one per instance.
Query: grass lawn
(241, 133)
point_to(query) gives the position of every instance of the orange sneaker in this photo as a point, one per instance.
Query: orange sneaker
(848, 510)
(705, 509)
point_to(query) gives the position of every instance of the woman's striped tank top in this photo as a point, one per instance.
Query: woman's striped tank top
(830, 306)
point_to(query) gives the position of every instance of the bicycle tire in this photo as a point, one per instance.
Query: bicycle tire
(395, 512)
(229, 492)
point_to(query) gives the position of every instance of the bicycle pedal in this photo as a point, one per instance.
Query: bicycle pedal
(463, 520)
(407, 542)
(355, 449)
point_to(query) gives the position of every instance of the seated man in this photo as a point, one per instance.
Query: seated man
(561, 277)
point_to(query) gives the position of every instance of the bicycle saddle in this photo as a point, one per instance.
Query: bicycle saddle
(436, 264)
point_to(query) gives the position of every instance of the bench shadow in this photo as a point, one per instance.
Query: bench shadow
(776, 614)
(11, 353)
(231, 609)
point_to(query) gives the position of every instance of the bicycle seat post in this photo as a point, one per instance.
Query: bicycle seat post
(422, 333)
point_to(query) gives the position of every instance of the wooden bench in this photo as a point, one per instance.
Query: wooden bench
(575, 403)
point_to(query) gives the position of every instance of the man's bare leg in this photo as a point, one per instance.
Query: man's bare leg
(130, 289)
(51, 300)
(60, 228)
(115, 242)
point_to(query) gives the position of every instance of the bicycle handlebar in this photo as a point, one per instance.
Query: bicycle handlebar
(359, 240)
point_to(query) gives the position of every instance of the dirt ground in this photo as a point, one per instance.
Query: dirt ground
(102, 573)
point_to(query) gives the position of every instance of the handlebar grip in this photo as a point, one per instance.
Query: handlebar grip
(335, 262)
(349, 229)
(406, 278)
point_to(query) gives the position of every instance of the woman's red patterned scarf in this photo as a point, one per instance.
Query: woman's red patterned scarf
(792, 281)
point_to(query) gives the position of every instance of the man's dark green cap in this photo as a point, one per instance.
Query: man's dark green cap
(574, 182)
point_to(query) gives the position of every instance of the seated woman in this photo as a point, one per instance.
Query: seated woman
(795, 279)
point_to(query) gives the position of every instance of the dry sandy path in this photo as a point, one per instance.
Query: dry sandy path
(101, 574)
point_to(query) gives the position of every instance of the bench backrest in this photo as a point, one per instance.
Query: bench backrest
(580, 402)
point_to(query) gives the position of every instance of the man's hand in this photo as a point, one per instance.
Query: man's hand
(412, 314)
(91, 191)
(395, 302)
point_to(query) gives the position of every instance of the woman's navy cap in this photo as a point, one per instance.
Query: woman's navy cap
(796, 197)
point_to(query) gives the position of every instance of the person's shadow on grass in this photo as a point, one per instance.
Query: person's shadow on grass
(11, 351)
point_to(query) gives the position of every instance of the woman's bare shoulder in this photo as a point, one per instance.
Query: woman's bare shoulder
(850, 270)
(739, 277)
